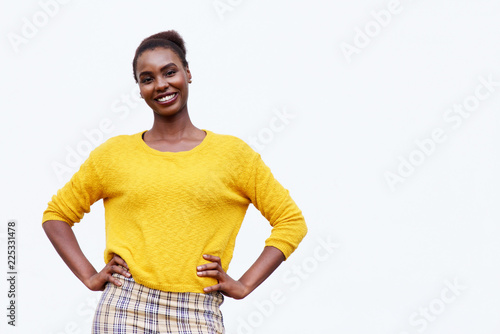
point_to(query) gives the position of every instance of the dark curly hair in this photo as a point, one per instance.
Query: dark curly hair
(169, 39)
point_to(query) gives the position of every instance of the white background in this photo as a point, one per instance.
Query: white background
(354, 118)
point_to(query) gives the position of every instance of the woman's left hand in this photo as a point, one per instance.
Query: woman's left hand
(227, 286)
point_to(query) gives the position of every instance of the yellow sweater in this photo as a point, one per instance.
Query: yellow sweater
(164, 210)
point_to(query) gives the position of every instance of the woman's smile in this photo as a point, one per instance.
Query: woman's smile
(167, 98)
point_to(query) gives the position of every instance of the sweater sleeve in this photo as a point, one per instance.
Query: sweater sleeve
(74, 199)
(277, 206)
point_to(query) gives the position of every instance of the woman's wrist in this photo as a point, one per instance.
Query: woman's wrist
(246, 288)
(267, 262)
(87, 279)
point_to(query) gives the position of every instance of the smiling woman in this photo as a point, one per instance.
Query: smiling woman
(175, 197)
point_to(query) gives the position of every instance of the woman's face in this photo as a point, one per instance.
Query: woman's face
(163, 81)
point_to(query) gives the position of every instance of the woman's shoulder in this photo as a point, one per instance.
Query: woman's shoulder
(116, 144)
(231, 143)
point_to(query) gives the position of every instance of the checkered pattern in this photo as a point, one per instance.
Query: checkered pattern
(134, 308)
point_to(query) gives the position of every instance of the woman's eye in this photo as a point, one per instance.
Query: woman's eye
(170, 73)
(146, 80)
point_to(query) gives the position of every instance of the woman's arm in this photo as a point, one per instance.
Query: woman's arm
(64, 241)
(288, 228)
(268, 261)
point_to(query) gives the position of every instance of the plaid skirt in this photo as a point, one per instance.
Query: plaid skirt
(134, 308)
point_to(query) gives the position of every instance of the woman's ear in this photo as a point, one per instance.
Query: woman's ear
(189, 76)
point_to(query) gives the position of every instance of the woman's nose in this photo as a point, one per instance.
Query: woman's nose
(162, 84)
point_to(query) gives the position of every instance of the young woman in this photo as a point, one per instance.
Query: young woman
(175, 197)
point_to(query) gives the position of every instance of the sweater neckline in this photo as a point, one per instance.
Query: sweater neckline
(200, 146)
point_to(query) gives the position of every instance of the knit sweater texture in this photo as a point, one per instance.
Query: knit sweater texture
(164, 210)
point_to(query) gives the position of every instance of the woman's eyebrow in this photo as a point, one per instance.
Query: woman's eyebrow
(161, 70)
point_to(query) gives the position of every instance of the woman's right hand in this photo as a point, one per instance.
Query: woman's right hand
(97, 282)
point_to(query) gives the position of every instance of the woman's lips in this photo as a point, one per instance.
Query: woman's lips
(166, 99)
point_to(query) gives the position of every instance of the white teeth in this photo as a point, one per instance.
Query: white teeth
(166, 98)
